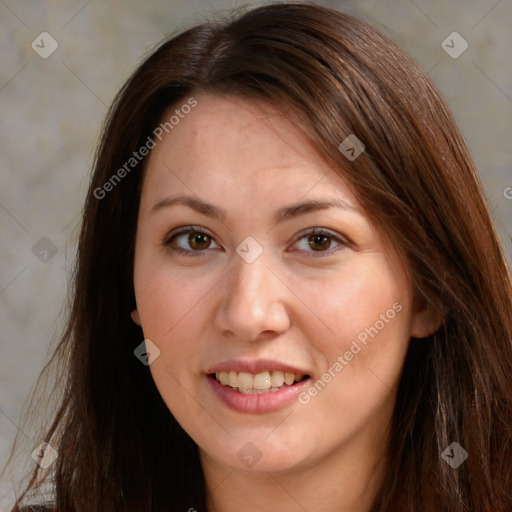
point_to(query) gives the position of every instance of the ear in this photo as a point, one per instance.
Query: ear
(426, 319)
(135, 317)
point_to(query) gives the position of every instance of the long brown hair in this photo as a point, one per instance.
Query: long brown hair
(119, 446)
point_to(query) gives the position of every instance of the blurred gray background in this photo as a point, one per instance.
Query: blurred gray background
(52, 106)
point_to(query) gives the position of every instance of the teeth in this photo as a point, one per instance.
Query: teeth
(277, 379)
(289, 378)
(263, 382)
(232, 379)
(245, 380)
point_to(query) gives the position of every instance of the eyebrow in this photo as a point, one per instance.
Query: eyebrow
(284, 213)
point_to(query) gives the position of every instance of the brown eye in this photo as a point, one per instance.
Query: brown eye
(319, 242)
(191, 242)
(198, 241)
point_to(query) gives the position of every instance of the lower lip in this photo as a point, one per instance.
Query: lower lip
(257, 403)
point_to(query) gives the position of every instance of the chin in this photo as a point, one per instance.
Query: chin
(257, 454)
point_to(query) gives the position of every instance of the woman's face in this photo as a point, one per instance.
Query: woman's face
(230, 280)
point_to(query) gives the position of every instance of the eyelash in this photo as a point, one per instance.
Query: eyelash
(198, 230)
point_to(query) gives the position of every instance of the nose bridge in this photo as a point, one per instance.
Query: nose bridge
(252, 300)
(247, 290)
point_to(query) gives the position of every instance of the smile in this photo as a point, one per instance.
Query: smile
(260, 383)
(256, 387)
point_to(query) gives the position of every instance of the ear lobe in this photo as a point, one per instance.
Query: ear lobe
(426, 320)
(135, 317)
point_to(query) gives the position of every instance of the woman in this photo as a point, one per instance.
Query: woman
(289, 293)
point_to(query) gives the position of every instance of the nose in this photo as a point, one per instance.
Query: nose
(253, 302)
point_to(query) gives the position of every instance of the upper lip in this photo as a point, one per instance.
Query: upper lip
(255, 366)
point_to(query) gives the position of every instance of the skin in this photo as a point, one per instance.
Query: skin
(297, 303)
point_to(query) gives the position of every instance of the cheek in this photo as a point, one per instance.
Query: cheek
(360, 331)
(352, 298)
(168, 296)
(171, 306)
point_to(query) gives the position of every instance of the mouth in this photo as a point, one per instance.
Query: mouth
(256, 387)
(268, 381)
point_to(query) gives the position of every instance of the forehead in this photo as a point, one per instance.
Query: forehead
(228, 145)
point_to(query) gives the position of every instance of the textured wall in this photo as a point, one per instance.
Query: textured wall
(52, 108)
